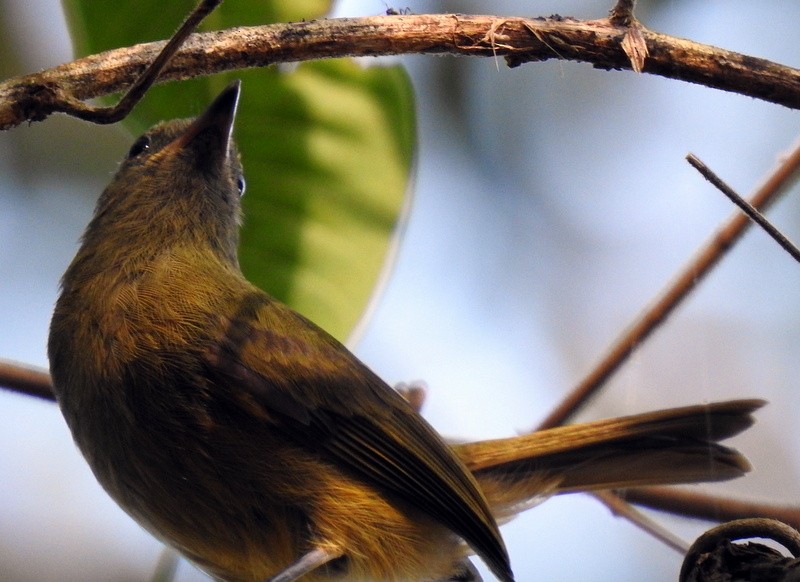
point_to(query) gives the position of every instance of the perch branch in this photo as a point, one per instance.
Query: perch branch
(598, 42)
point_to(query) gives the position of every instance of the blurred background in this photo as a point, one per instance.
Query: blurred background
(552, 202)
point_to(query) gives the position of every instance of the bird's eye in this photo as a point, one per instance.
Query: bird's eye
(240, 185)
(140, 145)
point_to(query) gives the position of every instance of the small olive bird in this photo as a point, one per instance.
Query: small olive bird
(258, 446)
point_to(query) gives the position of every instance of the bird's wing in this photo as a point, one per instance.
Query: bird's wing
(325, 400)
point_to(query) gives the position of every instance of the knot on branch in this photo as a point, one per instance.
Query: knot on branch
(35, 101)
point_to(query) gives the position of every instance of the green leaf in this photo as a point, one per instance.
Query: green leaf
(99, 25)
(333, 147)
(327, 150)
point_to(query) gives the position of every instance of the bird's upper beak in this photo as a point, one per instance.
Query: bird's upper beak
(216, 124)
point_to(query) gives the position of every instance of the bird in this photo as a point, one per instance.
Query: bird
(258, 446)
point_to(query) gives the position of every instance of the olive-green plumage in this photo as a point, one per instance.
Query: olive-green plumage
(246, 437)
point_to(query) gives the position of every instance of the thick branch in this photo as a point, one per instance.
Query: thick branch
(599, 42)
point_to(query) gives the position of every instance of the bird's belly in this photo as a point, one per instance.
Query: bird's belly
(245, 507)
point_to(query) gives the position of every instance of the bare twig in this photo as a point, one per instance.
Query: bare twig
(167, 565)
(746, 207)
(622, 508)
(688, 278)
(26, 380)
(34, 97)
(118, 112)
(710, 507)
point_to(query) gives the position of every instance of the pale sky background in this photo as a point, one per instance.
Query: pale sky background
(552, 202)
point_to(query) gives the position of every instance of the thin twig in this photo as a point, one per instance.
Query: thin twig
(746, 207)
(167, 565)
(711, 507)
(621, 508)
(688, 278)
(519, 40)
(26, 380)
(118, 112)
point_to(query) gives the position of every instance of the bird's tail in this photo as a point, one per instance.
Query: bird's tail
(665, 447)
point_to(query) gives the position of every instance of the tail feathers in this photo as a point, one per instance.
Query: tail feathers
(665, 447)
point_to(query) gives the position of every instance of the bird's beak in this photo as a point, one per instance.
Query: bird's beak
(216, 123)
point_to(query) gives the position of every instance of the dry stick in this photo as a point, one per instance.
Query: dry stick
(520, 40)
(167, 566)
(105, 115)
(698, 267)
(26, 380)
(620, 507)
(746, 207)
(710, 507)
